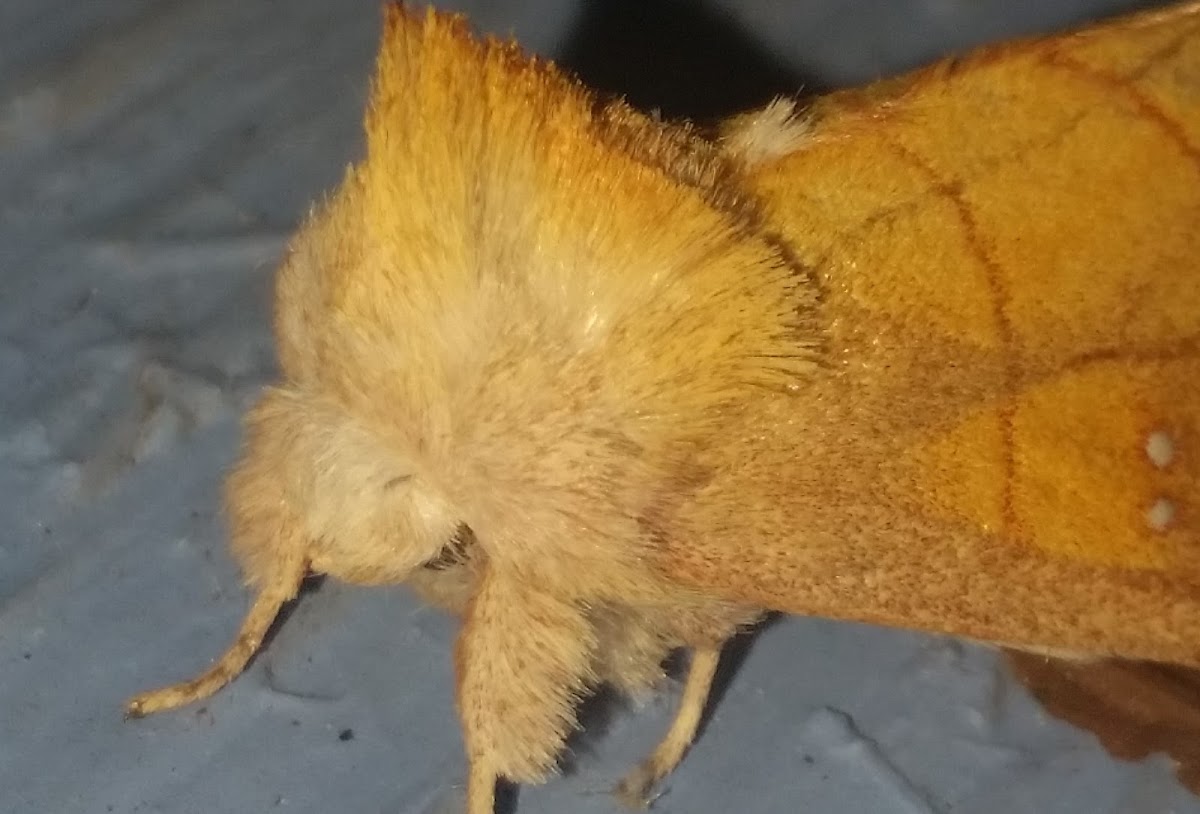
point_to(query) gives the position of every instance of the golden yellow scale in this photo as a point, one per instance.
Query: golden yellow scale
(922, 354)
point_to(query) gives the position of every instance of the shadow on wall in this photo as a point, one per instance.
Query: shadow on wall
(679, 58)
(698, 60)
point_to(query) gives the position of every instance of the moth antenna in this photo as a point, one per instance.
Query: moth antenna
(263, 612)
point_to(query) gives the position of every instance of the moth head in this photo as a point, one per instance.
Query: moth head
(360, 511)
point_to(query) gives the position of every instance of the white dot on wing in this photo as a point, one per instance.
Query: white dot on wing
(1160, 515)
(1160, 449)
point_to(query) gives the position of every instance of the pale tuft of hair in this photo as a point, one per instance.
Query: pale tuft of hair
(766, 134)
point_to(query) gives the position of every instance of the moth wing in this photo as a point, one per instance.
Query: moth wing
(1004, 442)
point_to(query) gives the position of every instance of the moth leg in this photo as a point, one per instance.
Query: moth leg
(481, 788)
(523, 659)
(262, 613)
(634, 789)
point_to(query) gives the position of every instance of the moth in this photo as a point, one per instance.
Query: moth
(923, 354)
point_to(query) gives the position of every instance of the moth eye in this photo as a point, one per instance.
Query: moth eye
(1160, 515)
(1160, 449)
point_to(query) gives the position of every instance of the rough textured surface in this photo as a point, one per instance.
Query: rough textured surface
(153, 156)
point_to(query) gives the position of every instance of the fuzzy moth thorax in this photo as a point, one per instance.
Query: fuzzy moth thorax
(548, 303)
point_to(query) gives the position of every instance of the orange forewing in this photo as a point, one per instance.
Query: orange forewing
(1005, 443)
